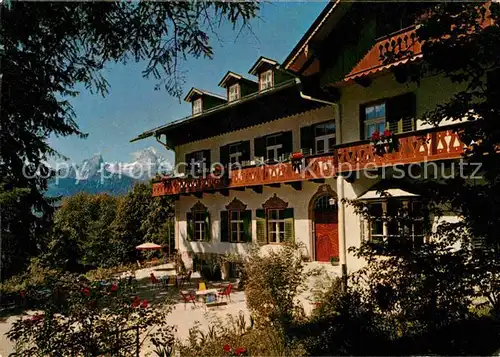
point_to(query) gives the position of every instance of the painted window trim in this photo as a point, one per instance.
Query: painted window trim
(197, 106)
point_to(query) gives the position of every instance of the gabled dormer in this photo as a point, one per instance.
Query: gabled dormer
(237, 86)
(264, 69)
(202, 100)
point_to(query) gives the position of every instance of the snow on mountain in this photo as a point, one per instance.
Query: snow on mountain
(147, 163)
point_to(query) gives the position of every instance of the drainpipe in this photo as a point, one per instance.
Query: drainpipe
(340, 188)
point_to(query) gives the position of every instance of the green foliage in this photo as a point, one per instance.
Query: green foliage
(48, 50)
(227, 337)
(273, 282)
(81, 319)
(99, 230)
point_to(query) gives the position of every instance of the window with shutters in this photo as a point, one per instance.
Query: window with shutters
(235, 153)
(275, 222)
(237, 230)
(324, 137)
(234, 92)
(374, 119)
(199, 226)
(198, 223)
(197, 106)
(236, 223)
(198, 162)
(276, 225)
(273, 147)
(266, 80)
(395, 221)
(396, 114)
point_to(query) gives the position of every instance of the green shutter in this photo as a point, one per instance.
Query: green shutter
(206, 156)
(289, 231)
(190, 225)
(247, 224)
(260, 218)
(245, 150)
(224, 226)
(260, 146)
(307, 138)
(208, 228)
(401, 113)
(287, 142)
(224, 155)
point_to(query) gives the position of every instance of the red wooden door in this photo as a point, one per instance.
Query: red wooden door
(326, 234)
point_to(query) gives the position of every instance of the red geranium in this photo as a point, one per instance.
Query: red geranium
(144, 303)
(376, 135)
(297, 155)
(114, 287)
(136, 302)
(387, 133)
(23, 294)
(86, 291)
(240, 351)
(227, 348)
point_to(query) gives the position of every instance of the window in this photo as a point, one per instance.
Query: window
(198, 162)
(273, 147)
(237, 229)
(236, 223)
(197, 107)
(234, 92)
(198, 223)
(235, 151)
(395, 222)
(199, 226)
(274, 222)
(396, 114)
(374, 119)
(324, 137)
(266, 79)
(276, 225)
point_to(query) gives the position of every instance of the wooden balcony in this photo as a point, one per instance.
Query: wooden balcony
(415, 147)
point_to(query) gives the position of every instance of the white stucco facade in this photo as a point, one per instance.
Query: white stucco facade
(429, 93)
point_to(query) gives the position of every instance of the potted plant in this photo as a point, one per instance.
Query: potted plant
(296, 159)
(334, 260)
(382, 143)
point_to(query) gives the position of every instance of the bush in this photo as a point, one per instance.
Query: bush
(235, 336)
(81, 319)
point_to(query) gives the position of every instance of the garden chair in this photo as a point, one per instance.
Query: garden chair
(226, 292)
(154, 281)
(185, 278)
(188, 297)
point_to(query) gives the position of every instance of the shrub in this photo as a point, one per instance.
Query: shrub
(81, 319)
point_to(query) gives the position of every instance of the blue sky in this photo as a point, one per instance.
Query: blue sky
(133, 106)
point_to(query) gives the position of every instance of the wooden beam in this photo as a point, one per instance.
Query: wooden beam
(318, 180)
(274, 185)
(238, 188)
(198, 194)
(257, 189)
(224, 192)
(297, 185)
(210, 192)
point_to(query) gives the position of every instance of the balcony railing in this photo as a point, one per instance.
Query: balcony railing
(414, 147)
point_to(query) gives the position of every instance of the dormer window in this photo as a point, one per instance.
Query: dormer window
(234, 92)
(266, 79)
(197, 107)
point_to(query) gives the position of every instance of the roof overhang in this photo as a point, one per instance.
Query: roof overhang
(195, 92)
(229, 75)
(260, 63)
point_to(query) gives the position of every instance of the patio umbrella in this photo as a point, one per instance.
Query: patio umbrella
(148, 246)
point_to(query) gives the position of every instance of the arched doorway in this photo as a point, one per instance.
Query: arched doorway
(324, 216)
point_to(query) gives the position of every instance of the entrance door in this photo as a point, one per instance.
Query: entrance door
(326, 230)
